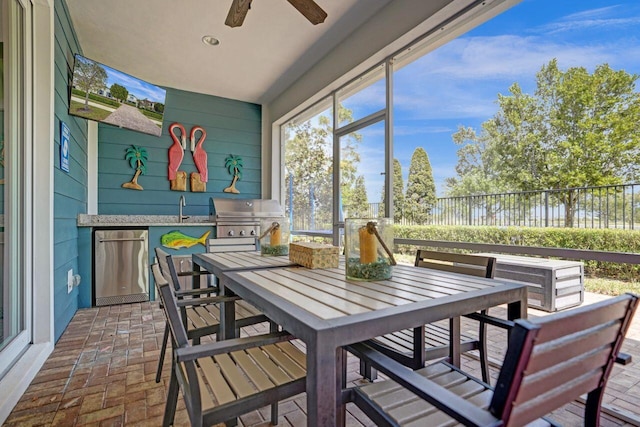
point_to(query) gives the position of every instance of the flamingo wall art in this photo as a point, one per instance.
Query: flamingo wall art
(199, 179)
(177, 177)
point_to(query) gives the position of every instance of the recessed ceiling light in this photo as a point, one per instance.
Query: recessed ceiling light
(210, 40)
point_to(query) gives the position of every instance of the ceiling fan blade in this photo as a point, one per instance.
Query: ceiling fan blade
(310, 10)
(237, 12)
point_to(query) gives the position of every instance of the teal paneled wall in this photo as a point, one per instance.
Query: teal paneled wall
(233, 127)
(70, 189)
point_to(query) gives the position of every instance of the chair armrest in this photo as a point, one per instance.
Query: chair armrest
(445, 400)
(226, 346)
(193, 273)
(200, 291)
(207, 300)
(491, 320)
(624, 359)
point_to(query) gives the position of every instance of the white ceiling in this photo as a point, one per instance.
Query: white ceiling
(160, 41)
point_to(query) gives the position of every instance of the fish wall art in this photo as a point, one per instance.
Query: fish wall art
(176, 240)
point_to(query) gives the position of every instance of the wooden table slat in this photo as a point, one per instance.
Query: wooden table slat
(329, 290)
(323, 311)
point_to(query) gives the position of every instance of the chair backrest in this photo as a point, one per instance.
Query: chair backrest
(553, 360)
(167, 298)
(173, 273)
(473, 265)
(163, 264)
(168, 268)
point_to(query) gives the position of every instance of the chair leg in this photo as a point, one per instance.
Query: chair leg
(592, 408)
(172, 400)
(454, 341)
(368, 372)
(163, 351)
(482, 350)
(274, 414)
(273, 327)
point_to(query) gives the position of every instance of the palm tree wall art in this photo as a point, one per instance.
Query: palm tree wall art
(234, 165)
(137, 157)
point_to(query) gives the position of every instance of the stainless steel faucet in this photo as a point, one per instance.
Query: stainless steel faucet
(182, 202)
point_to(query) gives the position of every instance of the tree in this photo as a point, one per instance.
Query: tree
(158, 107)
(309, 170)
(89, 76)
(578, 129)
(477, 174)
(421, 188)
(119, 92)
(357, 197)
(398, 193)
(137, 157)
(477, 169)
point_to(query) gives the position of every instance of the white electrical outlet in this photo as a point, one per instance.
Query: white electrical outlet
(69, 281)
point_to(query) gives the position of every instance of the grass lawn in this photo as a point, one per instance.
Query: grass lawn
(610, 286)
(94, 113)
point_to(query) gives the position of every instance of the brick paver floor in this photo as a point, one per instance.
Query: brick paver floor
(102, 373)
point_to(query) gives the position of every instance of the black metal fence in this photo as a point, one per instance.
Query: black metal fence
(611, 206)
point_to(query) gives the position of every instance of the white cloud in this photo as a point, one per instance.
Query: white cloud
(615, 17)
(420, 130)
(462, 79)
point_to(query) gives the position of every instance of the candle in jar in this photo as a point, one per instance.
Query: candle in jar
(275, 236)
(368, 246)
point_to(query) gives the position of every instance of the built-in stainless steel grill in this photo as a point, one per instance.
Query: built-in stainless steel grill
(241, 217)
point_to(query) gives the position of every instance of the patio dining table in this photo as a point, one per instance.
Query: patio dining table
(326, 311)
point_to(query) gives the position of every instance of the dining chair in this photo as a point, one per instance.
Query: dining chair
(200, 308)
(437, 336)
(549, 362)
(223, 380)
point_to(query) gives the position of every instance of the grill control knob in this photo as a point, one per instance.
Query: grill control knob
(253, 232)
(242, 232)
(231, 233)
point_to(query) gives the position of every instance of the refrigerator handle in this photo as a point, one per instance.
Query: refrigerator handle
(123, 239)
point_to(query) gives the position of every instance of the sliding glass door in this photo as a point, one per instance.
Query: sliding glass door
(14, 312)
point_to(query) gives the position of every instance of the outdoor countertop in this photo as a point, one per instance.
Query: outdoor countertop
(85, 220)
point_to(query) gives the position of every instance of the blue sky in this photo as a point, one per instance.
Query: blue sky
(458, 83)
(135, 86)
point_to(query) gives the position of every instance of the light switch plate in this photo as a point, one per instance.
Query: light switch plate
(69, 281)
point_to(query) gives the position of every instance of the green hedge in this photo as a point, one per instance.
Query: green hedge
(611, 240)
(97, 98)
